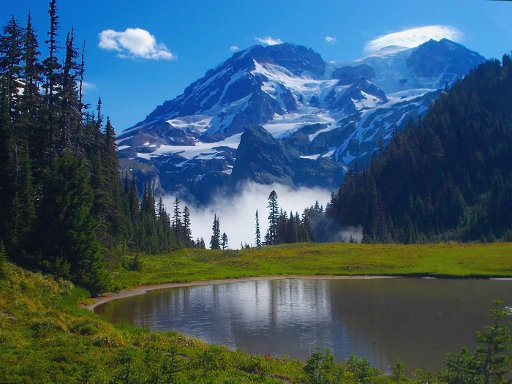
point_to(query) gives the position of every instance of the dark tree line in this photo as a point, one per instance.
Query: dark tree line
(448, 177)
(63, 204)
(284, 228)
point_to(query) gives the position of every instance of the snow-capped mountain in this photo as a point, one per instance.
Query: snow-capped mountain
(282, 114)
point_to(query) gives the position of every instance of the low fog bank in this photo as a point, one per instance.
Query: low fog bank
(237, 213)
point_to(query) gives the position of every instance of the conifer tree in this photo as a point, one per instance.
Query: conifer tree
(187, 232)
(300, 230)
(176, 220)
(224, 244)
(110, 155)
(291, 230)
(11, 50)
(166, 238)
(281, 228)
(126, 184)
(31, 70)
(81, 76)
(134, 200)
(305, 229)
(7, 179)
(70, 115)
(51, 69)
(36, 138)
(492, 352)
(215, 239)
(103, 206)
(258, 233)
(273, 219)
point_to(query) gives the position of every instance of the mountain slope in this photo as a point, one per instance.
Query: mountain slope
(448, 177)
(328, 116)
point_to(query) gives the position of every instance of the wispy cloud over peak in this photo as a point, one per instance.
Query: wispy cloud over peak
(268, 40)
(413, 37)
(330, 39)
(134, 43)
(234, 48)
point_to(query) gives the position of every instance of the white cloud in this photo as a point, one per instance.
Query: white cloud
(234, 48)
(134, 43)
(330, 39)
(268, 40)
(86, 85)
(414, 36)
(236, 214)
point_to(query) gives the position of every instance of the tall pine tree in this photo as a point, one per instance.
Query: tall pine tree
(215, 239)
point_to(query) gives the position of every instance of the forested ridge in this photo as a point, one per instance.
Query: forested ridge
(446, 177)
(64, 207)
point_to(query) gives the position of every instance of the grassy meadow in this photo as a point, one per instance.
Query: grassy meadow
(443, 260)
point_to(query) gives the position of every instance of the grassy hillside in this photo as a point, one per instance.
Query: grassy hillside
(457, 260)
(45, 338)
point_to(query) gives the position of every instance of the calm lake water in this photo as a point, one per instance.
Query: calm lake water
(415, 320)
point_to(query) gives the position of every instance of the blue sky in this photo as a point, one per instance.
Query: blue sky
(134, 73)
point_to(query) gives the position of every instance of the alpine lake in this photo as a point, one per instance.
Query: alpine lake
(414, 320)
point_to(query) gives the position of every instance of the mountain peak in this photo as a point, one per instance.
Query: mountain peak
(444, 59)
(431, 65)
(296, 58)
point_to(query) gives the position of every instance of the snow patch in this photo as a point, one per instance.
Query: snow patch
(330, 153)
(285, 125)
(199, 151)
(198, 123)
(368, 101)
(298, 85)
(119, 141)
(320, 131)
(311, 157)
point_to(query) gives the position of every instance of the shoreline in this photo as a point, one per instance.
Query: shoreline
(142, 289)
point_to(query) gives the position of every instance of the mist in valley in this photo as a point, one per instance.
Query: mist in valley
(237, 213)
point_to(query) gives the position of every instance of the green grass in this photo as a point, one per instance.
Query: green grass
(447, 260)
